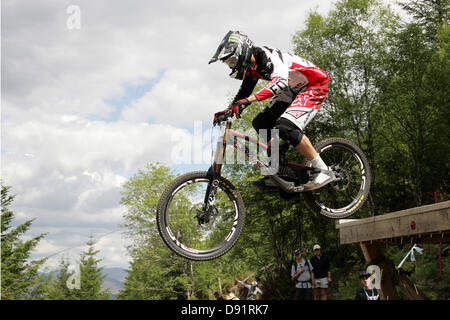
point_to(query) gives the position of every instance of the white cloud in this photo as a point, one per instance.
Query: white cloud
(181, 97)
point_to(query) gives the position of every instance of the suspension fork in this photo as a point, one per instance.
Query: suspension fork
(216, 167)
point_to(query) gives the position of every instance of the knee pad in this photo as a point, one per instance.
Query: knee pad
(289, 131)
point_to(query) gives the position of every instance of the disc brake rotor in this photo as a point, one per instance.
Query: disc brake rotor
(342, 178)
(203, 218)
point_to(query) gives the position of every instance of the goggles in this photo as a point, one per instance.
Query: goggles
(231, 61)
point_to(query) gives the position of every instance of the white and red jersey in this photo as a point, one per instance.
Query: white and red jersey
(283, 70)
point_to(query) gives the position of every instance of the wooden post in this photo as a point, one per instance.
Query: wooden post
(408, 288)
(374, 256)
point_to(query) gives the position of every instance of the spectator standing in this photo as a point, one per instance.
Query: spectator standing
(322, 273)
(365, 293)
(302, 273)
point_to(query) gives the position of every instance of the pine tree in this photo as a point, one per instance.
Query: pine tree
(91, 276)
(18, 275)
(58, 288)
(155, 273)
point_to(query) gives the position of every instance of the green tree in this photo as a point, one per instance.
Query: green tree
(413, 120)
(58, 288)
(156, 273)
(19, 275)
(437, 77)
(430, 15)
(85, 283)
(91, 276)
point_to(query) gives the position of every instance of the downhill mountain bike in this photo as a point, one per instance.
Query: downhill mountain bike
(201, 215)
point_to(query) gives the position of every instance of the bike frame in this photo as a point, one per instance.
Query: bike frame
(235, 138)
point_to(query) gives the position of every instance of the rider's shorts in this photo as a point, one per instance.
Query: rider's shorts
(305, 105)
(299, 108)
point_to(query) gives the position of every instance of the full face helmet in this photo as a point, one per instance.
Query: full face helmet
(235, 50)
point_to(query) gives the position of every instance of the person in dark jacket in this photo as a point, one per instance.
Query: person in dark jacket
(322, 273)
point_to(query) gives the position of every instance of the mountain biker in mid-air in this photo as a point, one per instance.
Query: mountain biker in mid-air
(298, 88)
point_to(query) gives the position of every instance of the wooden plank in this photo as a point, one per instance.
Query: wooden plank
(430, 219)
(411, 211)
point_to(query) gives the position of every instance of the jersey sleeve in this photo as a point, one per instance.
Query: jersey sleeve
(275, 86)
(246, 89)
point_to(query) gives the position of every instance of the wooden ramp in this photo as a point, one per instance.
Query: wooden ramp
(425, 224)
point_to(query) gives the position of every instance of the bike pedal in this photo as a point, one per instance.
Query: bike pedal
(262, 187)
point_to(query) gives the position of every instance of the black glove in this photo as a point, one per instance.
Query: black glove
(219, 116)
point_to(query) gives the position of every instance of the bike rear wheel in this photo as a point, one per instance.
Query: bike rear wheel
(348, 194)
(186, 229)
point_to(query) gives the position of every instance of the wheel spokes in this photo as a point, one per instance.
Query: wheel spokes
(195, 227)
(341, 194)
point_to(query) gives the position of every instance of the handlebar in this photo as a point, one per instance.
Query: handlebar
(221, 118)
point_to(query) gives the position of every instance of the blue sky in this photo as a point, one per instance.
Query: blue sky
(131, 93)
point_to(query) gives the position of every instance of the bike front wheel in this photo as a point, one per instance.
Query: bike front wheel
(349, 192)
(192, 230)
